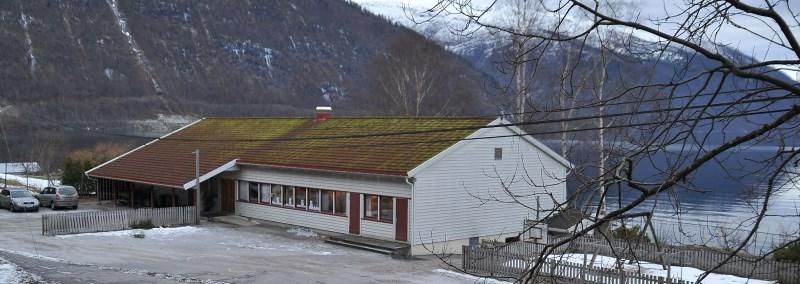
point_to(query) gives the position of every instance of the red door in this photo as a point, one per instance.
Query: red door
(355, 213)
(401, 226)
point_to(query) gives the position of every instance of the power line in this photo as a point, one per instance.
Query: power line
(606, 103)
(438, 130)
(539, 133)
(513, 135)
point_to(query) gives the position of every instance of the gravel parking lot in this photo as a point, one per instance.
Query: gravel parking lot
(208, 253)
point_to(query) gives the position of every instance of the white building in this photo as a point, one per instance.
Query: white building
(19, 168)
(432, 183)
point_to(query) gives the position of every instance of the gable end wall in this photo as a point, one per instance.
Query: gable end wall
(449, 194)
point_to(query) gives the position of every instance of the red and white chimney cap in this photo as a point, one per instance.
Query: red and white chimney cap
(324, 113)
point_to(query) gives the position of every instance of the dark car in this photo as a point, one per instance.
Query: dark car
(16, 199)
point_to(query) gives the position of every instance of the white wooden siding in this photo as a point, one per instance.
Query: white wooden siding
(338, 224)
(388, 186)
(377, 229)
(453, 195)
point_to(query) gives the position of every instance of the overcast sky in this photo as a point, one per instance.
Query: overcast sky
(747, 43)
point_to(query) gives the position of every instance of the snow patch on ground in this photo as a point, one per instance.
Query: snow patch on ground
(168, 234)
(277, 247)
(30, 181)
(471, 278)
(677, 272)
(11, 273)
(161, 275)
(302, 232)
(34, 256)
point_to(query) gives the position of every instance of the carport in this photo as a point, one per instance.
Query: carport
(144, 195)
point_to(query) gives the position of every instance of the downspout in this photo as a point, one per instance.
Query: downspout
(410, 181)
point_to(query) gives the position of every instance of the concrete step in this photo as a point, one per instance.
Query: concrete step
(360, 246)
(234, 220)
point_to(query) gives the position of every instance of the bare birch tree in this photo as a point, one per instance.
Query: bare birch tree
(701, 101)
(414, 78)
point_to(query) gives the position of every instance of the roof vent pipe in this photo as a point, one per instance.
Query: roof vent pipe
(324, 113)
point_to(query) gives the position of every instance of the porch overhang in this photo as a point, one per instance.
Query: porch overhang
(225, 167)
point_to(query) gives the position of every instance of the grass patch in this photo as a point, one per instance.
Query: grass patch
(11, 183)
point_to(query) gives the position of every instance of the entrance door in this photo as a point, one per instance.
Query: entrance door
(355, 213)
(401, 226)
(228, 196)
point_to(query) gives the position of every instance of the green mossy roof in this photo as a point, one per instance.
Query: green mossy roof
(292, 142)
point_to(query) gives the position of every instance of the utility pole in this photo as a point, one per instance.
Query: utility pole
(197, 186)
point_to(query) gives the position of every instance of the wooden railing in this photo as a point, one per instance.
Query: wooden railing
(493, 255)
(103, 221)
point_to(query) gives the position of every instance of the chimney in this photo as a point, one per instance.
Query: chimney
(324, 113)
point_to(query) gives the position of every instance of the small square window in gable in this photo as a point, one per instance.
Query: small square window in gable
(498, 153)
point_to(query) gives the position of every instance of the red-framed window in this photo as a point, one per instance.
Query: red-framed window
(378, 208)
(252, 192)
(326, 202)
(340, 203)
(264, 193)
(313, 199)
(371, 205)
(288, 196)
(277, 194)
(300, 198)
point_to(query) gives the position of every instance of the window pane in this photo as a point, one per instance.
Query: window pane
(371, 206)
(313, 199)
(276, 195)
(341, 203)
(327, 201)
(387, 204)
(288, 195)
(243, 190)
(252, 192)
(265, 188)
(300, 197)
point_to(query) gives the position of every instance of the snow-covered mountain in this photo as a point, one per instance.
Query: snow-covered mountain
(484, 46)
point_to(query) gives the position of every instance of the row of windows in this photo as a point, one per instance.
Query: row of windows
(325, 201)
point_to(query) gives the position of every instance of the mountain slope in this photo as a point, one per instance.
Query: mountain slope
(637, 60)
(137, 58)
(69, 65)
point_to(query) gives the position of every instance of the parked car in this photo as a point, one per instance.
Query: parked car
(63, 196)
(16, 199)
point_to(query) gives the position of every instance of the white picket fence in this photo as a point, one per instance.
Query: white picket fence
(508, 259)
(115, 220)
(491, 262)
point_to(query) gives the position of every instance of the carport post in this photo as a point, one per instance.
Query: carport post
(197, 186)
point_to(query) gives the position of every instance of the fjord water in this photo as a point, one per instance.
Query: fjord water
(718, 205)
